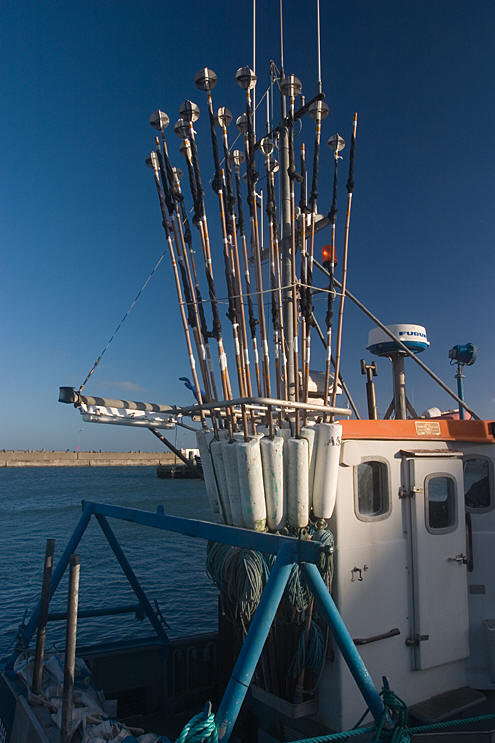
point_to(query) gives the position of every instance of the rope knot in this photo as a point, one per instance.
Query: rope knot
(200, 729)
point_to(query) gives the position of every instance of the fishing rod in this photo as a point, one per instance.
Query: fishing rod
(200, 320)
(153, 161)
(224, 118)
(304, 291)
(246, 79)
(337, 144)
(344, 386)
(184, 225)
(318, 111)
(206, 80)
(290, 87)
(159, 120)
(350, 189)
(184, 130)
(271, 166)
(274, 167)
(238, 158)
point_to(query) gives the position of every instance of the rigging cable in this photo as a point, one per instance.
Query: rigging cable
(129, 310)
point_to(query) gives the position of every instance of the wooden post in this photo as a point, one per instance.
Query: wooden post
(42, 620)
(70, 650)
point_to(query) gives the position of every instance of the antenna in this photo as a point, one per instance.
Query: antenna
(281, 38)
(319, 44)
(254, 67)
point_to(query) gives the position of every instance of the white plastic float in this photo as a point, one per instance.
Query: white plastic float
(251, 483)
(328, 444)
(298, 482)
(229, 451)
(272, 458)
(274, 482)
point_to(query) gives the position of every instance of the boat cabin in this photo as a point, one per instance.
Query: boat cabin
(413, 525)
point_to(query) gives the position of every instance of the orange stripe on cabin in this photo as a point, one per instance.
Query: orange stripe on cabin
(424, 429)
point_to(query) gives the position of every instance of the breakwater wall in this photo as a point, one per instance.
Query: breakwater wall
(84, 458)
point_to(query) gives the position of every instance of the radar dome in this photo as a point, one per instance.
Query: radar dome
(412, 336)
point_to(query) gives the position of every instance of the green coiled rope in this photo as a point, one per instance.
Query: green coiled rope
(200, 729)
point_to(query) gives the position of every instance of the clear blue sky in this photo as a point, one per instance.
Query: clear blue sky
(80, 221)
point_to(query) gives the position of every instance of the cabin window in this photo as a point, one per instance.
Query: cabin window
(371, 490)
(477, 483)
(440, 495)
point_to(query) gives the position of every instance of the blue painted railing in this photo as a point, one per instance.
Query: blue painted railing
(288, 551)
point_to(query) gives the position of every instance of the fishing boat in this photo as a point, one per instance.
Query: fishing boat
(352, 555)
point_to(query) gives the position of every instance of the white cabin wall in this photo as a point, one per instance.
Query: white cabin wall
(381, 601)
(481, 583)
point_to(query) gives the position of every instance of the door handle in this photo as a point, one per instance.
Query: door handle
(461, 559)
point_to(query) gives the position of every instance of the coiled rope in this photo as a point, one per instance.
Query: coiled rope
(200, 729)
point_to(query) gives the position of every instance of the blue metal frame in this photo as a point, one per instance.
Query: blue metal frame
(289, 551)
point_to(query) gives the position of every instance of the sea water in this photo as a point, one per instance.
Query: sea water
(41, 502)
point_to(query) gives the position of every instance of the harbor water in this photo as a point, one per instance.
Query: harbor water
(41, 502)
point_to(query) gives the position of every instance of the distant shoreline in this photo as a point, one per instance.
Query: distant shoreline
(84, 459)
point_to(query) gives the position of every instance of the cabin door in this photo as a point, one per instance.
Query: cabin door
(439, 621)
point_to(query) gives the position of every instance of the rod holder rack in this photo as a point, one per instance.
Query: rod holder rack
(261, 403)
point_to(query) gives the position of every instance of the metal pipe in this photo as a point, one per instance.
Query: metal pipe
(253, 645)
(173, 448)
(131, 577)
(399, 378)
(309, 550)
(70, 650)
(401, 345)
(328, 409)
(370, 371)
(43, 616)
(344, 640)
(58, 616)
(460, 390)
(70, 396)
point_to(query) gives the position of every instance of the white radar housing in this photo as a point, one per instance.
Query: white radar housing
(413, 336)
